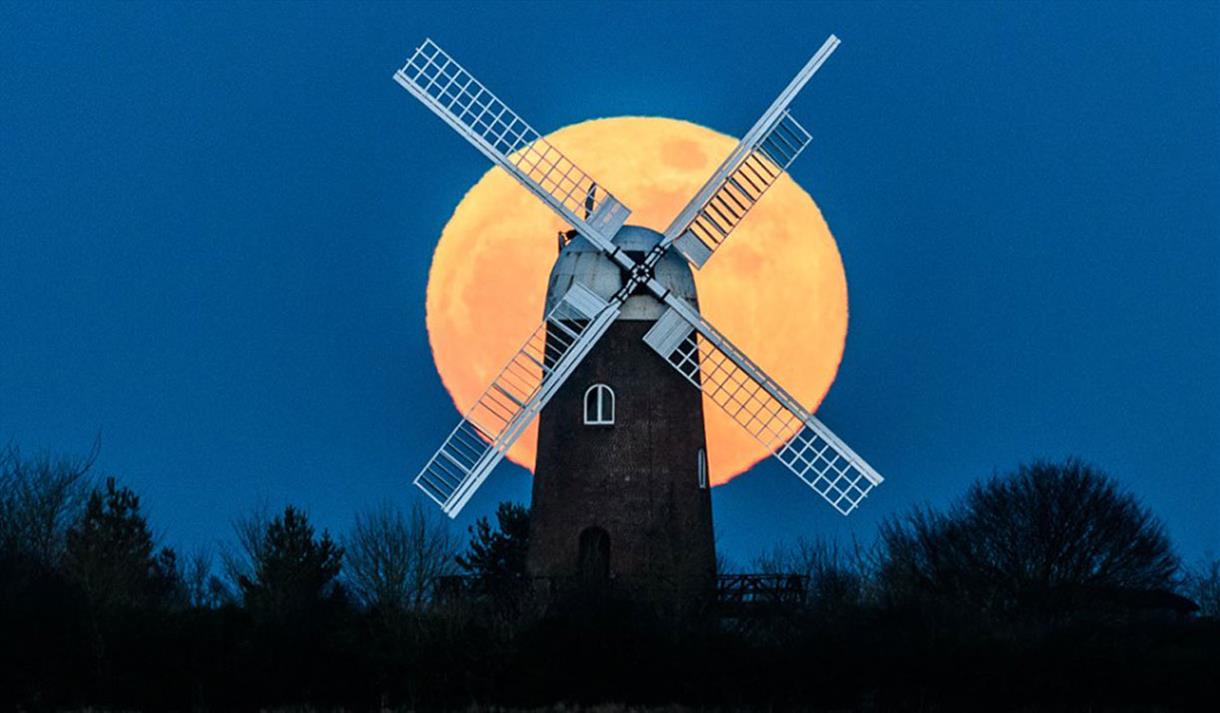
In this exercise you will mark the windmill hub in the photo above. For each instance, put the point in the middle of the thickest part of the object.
(582, 262)
(642, 273)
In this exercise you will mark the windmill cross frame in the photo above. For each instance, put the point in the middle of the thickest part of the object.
(682, 336)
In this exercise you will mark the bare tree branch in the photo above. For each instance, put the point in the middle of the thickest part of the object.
(40, 497)
(394, 556)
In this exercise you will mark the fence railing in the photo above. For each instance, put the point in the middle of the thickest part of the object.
(730, 589)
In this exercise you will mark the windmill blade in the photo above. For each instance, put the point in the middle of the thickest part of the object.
(454, 95)
(515, 397)
(761, 157)
(801, 442)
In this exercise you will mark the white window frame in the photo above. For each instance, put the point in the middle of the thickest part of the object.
(702, 469)
(603, 408)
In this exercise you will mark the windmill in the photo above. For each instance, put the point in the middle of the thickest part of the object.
(624, 272)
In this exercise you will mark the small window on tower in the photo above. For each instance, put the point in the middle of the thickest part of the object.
(702, 468)
(599, 405)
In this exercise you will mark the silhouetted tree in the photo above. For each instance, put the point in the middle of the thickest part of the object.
(836, 578)
(495, 557)
(292, 570)
(288, 585)
(1202, 585)
(128, 588)
(498, 555)
(110, 552)
(40, 498)
(40, 622)
(394, 557)
(1049, 537)
(239, 560)
(202, 589)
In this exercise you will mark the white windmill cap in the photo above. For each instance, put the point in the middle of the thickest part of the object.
(581, 261)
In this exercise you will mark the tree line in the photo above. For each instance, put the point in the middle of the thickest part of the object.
(1048, 587)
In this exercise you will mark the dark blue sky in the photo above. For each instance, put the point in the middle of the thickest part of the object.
(216, 223)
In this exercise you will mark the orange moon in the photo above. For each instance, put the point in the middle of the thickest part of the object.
(776, 288)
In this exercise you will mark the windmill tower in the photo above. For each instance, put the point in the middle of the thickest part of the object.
(620, 489)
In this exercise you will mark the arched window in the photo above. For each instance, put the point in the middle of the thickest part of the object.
(599, 405)
(702, 468)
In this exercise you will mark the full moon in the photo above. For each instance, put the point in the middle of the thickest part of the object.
(776, 288)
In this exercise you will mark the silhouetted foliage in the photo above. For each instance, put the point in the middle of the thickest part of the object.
(292, 571)
(239, 559)
(298, 609)
(40, 497)
(498, 555)
(933, 619)
(1202, 584)
(495, 559)
(202, 589)
(837, 579)
(1046, 540)
(393, 557)
(111, 555)
(42, 632)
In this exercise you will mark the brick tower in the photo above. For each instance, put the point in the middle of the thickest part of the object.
(620, 494)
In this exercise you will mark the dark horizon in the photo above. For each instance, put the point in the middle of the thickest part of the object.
(1052, 589)
(217, 226)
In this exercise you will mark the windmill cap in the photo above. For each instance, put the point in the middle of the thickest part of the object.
(581, 261)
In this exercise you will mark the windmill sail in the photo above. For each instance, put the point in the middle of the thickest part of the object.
(793, 435)
(757, 162)
(682, 337)
(454, 95)
(515, 397)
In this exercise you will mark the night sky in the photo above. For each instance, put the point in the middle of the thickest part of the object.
(216, 224)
